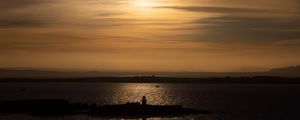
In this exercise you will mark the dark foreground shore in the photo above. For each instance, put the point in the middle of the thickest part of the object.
(55, 107)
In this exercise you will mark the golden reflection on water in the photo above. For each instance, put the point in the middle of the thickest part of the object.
(157, 94)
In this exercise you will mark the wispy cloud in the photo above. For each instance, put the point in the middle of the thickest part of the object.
(256, 29)
(200, 30)
(20, 3)
(20, 23)
(213, 9)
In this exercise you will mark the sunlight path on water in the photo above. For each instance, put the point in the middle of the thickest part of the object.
(133, 93)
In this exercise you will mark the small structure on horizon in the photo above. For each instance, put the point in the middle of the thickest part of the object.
(144, 100)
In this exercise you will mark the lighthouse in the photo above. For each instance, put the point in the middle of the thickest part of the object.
(144, 100)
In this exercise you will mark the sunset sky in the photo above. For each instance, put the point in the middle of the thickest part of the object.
(150, 35)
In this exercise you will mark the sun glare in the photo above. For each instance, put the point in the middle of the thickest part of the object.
(145, 3)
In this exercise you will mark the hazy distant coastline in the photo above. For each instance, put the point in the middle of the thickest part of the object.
(293, 72)
(152, 79)
(287, 75)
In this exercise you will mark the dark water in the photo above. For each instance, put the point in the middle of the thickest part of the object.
(227, 101)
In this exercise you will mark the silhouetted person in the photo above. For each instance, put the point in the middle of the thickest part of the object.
(144, 100)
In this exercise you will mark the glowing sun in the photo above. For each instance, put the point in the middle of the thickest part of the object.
(145, 3)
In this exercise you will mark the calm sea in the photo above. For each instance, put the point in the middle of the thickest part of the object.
(227, 101)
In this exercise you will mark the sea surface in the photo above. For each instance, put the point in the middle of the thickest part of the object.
(226, 101)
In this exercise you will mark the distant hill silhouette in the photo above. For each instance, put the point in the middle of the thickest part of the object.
(291, 69)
